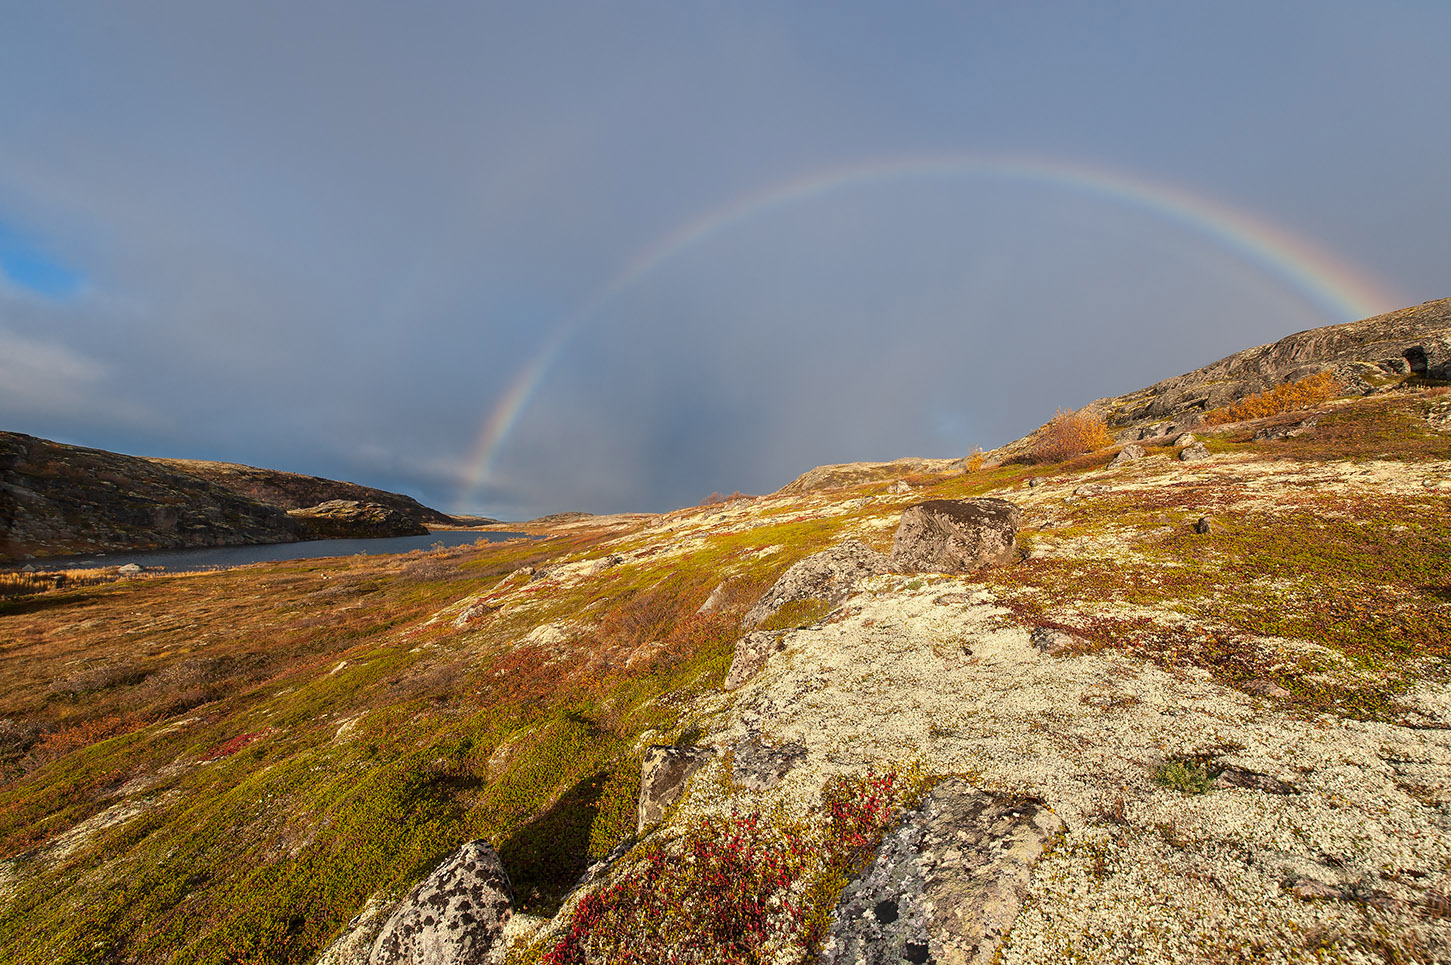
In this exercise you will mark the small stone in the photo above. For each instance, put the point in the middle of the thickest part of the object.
(1091, 489)
(663, 773)
(1240, 777)
(1193, 453)
(129, 569)
(1205, 525)
(900, 486)
(1186, 439)
(1311, 890)
(1261, 687)
(713, 602)
(1055, 642)
(1035, 481)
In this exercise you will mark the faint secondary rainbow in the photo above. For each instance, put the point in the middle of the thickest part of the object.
(1343, 292)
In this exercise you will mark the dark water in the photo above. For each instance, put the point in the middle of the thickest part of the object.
(210, 557)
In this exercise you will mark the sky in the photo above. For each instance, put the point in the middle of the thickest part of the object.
(522, 258)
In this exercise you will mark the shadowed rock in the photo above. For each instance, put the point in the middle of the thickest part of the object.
(955, 536)
(945, 884)
(455, 916)
(663, 774)
(830, 575)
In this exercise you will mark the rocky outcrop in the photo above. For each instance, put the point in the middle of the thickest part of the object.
(663, 774)
(829, 575)
(1128, 453)
(946, 885)
(350, 519)
(858, 473)
(57, 500)
(955, 536)
(455, 916)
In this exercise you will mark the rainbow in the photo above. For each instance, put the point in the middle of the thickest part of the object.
(1336, 288)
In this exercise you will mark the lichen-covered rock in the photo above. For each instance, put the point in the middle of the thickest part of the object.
(1055, 642)
(714, 601)
(1128, 453)
(752, 650)
(955, 536)
(829, 575)
(663, 774)
(1186, 439)
(945, 885)
(759, 766)
(355, 944)
(455, 916)
(1194, 453)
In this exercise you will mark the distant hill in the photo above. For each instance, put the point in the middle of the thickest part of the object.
(57, 499)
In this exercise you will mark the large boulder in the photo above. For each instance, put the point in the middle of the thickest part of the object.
(955, 536)
(663, 774)
(455, 916)
(946, 884)
(829, 575)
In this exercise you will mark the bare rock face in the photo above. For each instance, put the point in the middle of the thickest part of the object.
(944, 886)
(663, 774)
(955, 536)
(829, 575)
(455, 916)
(752, 650)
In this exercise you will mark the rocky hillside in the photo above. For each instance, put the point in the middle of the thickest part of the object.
(57, 499)
(1172, 700)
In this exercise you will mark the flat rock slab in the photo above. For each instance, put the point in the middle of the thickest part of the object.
(663, 774)
(829, 575)
(955, 536)
(945, 885)
(455, 916)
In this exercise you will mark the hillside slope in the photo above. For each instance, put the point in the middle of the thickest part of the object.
(57, 500)
(1203, 715)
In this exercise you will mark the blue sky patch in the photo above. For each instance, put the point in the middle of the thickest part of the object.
(31, 267)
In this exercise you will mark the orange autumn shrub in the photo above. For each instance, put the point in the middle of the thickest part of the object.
(1288, 397)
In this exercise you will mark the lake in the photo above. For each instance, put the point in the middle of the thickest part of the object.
(211, 557)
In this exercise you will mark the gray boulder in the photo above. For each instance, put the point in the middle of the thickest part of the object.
(1186, 439)
(455, 916)
(955, 536)
(1128, 453)
(945, 885)
(830, 575)
(1194, 453)
(752, 651)
(129, 569)
(663, 774)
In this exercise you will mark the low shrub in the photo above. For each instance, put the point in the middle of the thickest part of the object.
(736, 890)
(1069, 434)
(1311, 390)
(1186, 776)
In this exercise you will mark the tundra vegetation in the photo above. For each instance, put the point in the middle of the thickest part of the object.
(225, 767)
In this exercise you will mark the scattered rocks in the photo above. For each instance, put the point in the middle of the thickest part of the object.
(1128, 453)
(1194, 453)
(946, 884)
(955, 536)
(758, 766)
(1205, 525)
(829, 575)
(455, 916)
(663, 774)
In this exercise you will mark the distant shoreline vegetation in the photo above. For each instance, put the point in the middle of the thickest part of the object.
(224, 557)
